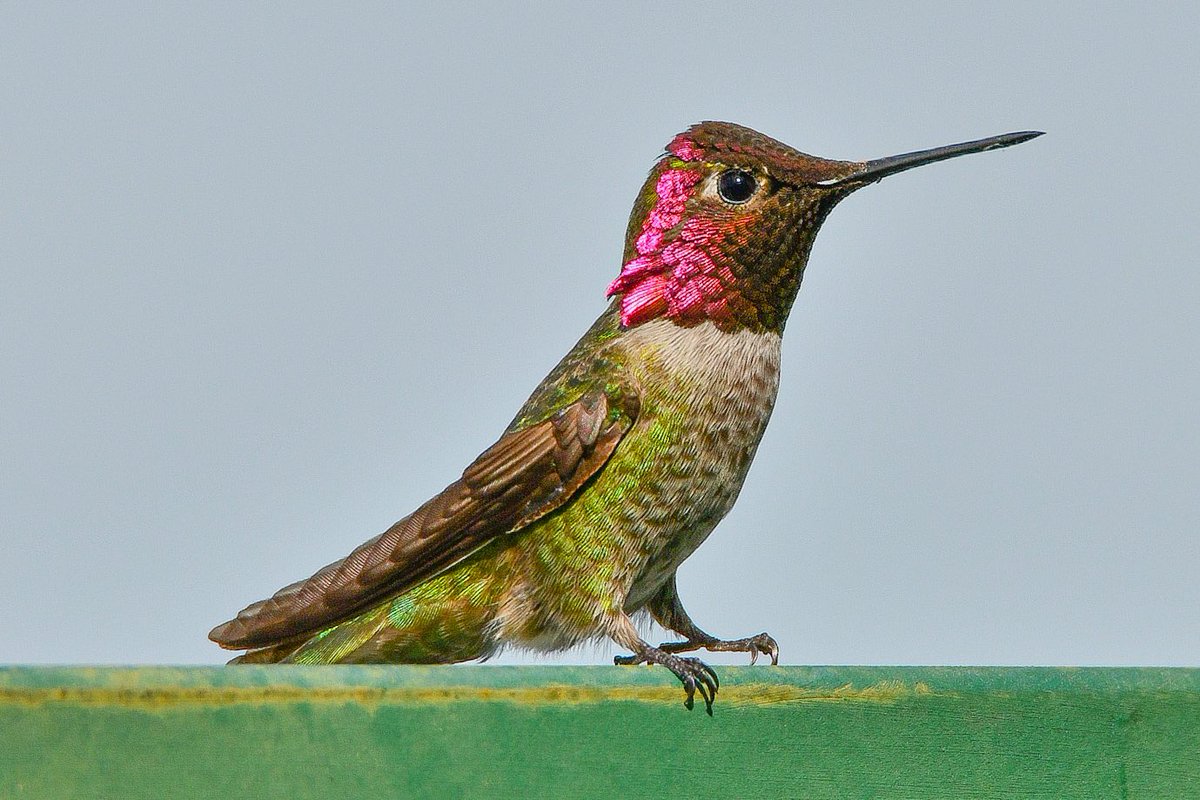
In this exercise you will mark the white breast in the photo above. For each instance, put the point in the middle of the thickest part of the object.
(704, 357)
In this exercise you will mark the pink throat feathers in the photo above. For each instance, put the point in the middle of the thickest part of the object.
(678, 271)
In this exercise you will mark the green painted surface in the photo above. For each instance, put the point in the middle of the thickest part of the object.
(533, 732)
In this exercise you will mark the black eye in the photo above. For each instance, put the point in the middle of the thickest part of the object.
(736, 186)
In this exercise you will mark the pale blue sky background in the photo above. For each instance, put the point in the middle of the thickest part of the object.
(272, 277)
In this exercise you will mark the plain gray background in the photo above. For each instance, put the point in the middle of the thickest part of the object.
(270, 278)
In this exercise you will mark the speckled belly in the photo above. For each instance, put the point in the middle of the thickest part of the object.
(705, 473)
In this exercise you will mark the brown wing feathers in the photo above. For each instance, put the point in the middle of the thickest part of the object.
(525, 475)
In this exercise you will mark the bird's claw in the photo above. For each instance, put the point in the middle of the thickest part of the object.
(762, 643)
(695, 675)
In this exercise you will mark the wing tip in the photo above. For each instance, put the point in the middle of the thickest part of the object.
(229, 635)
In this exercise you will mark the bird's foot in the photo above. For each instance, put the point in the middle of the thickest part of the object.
(762, 644)
(694, 673)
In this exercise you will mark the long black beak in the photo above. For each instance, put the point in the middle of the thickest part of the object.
(871, 171)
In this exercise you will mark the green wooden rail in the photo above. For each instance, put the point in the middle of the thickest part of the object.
(563, 732)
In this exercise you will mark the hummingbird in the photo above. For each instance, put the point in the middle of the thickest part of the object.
(622, 461)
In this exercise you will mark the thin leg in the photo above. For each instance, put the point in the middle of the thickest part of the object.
(668, 611)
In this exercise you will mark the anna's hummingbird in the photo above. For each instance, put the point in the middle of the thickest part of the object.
(623, 459)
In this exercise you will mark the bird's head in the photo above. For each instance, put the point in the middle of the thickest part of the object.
(723, 226)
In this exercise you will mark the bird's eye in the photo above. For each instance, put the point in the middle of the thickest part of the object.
(736, 185)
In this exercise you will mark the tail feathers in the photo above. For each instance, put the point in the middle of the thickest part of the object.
(402, 631)
(267, 655)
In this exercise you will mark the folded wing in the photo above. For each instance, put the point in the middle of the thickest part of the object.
(524, 476)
